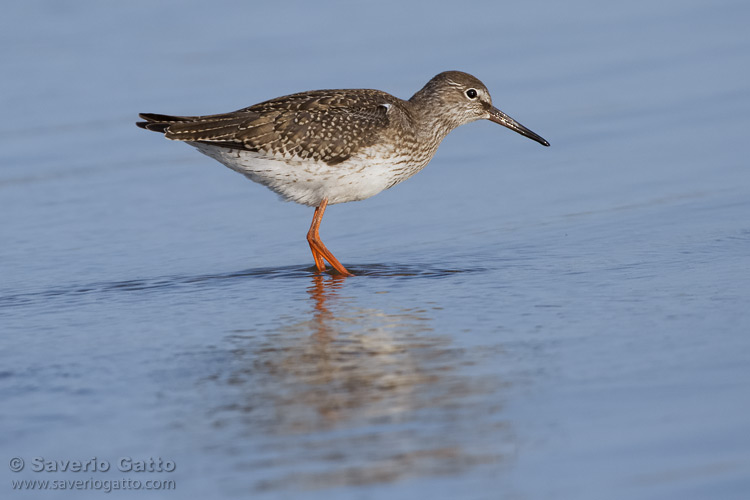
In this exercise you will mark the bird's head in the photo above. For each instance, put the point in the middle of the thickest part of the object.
(460, 98)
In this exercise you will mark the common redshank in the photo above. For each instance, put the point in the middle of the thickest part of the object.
(333, 146)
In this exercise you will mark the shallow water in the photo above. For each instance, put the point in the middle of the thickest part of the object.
(526, 322)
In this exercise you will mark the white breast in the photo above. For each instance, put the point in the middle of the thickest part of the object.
(308, 182)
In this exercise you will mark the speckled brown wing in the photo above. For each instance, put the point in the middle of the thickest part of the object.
(323, 125)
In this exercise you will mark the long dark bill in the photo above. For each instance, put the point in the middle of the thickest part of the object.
(498, 116)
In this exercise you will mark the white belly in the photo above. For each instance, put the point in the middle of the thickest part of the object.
(309, 182)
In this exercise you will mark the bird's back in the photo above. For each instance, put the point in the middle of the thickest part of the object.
(322, 125)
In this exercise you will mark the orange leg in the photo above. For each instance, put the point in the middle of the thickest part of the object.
(319, 250)
(312, 235)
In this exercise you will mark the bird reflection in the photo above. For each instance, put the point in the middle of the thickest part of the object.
(348, 395)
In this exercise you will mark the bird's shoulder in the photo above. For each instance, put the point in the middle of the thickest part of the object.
(326, 125)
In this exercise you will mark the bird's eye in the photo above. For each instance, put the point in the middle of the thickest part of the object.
(471, 94)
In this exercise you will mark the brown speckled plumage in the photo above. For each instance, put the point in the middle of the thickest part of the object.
(325, 125)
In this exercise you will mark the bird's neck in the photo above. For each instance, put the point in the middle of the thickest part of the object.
(432, 124)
